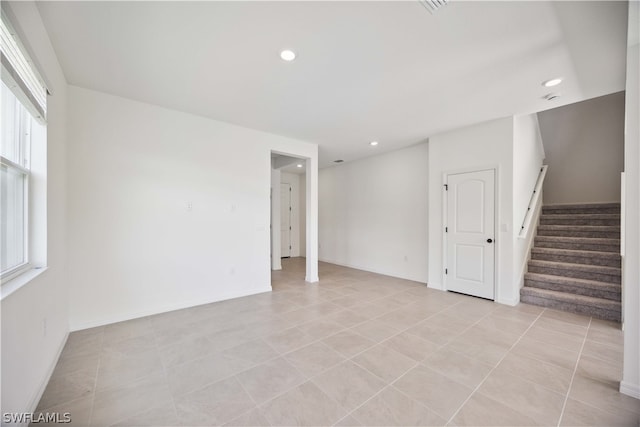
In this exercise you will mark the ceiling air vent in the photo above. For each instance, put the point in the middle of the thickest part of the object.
(433, 5)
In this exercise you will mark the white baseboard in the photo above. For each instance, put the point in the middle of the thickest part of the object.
(509, 301)
(121, 317)
(437, 286)
(33, 403)
(632, 390)
(372, 270)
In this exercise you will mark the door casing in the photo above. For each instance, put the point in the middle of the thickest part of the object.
(496, 221)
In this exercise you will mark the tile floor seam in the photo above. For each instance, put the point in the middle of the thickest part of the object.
(93, 394)
(575, 369)
(142, 411)
(166, 376)
(255, 408)
(475, 390)
(591, 405)
(296, 385)
(255, 404)
(540, 359)
(442, 346)
(416, 324)
(306, 380)
(357, 284)
(390, 384)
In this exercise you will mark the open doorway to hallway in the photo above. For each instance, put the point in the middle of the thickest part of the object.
(288, 214)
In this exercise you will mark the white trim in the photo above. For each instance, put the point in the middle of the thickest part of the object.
(437, 286)
(623, 216)
(632, 390)
(121, 317)
(19, 281)
(496, 223)
(33, 404)
(371, 270)
(16, 271)
(8, 163)
(509, 301)
(314, 279)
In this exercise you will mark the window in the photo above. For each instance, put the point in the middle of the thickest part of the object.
(22, 120)
(14, 183)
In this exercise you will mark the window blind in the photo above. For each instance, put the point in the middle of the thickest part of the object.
(19, 73)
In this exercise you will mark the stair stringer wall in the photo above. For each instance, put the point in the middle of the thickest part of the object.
(529, 240)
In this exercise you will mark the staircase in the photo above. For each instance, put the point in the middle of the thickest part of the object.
(575, 262)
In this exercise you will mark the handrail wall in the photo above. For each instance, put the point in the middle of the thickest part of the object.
(534, 202)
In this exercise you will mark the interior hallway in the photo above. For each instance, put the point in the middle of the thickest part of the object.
(357, 348)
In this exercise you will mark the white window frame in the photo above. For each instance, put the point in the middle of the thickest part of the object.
(15, 271)
(21, 77)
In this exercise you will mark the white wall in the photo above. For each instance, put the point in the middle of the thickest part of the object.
(483, 146)
(303, 215)
(276, 249)
(528, 156)
(512, 146)
(584, 143)
(373, 213)
(29, 350)
(294, 181)
(630, 383)
(135, 247)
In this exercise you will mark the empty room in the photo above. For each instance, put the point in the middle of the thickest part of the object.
(329, 213)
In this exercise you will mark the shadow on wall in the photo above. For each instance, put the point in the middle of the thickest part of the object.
(584, 146)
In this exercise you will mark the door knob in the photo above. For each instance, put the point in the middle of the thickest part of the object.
(489, 241)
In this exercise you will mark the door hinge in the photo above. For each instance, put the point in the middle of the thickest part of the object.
(289, 247)
(446, 187)
(446, 271)
(289, 227)
(446, 229)
(289, 208)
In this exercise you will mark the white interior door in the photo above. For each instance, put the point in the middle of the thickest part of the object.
(470, 233)
(285, 222)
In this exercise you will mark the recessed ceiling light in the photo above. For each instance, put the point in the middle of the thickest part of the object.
(551, 96)
(373, 143)
(299, 165)
(288, 55)
(552, 82)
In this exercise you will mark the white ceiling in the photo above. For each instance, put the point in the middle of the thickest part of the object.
(386, 71)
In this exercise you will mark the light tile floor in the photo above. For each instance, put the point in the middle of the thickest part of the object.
(356, 349)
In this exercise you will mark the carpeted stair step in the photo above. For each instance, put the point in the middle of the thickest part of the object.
(607, 259)
(593, 208)
(598, 231)
(577, 271)
(584, 219)
(578, 243)
(589, 288)
(580, 304)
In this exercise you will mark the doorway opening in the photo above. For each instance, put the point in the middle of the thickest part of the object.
(289, 216)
